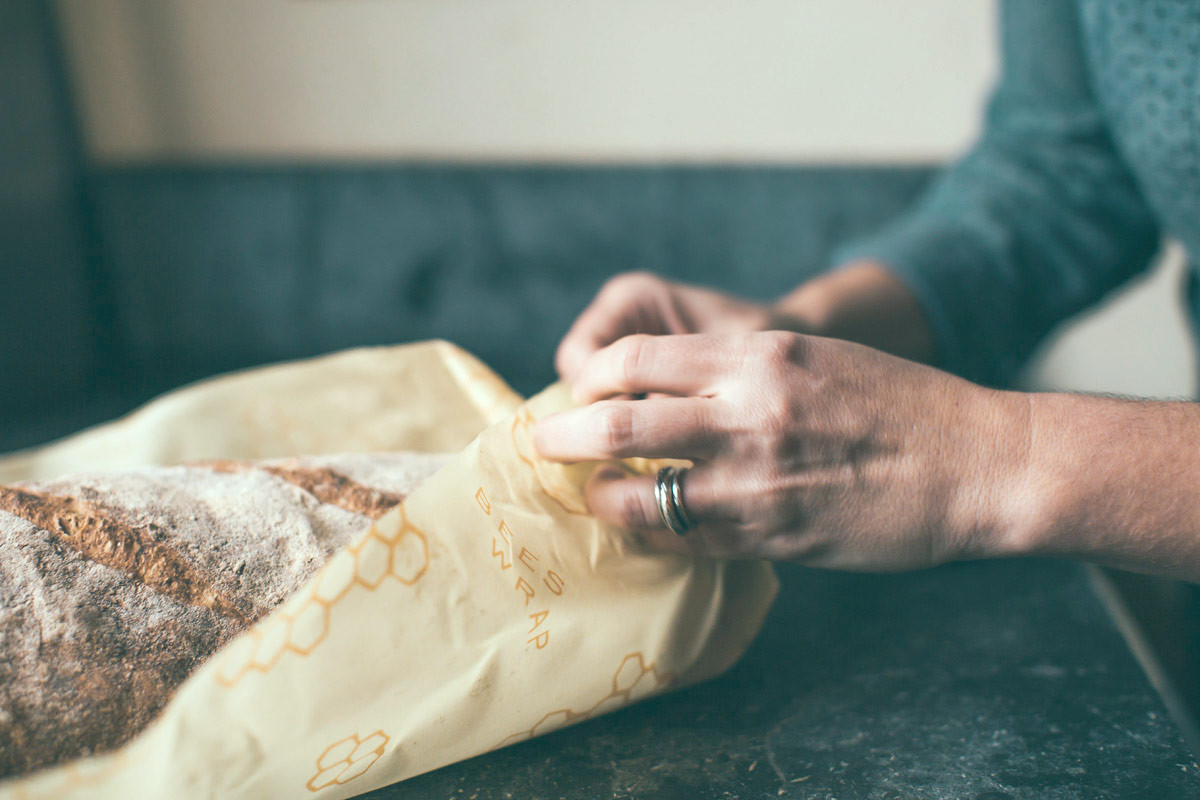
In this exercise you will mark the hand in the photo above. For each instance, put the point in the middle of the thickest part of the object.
(805, 449)
(639, 302)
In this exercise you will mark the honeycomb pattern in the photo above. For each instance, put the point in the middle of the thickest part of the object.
(346, 759)
(633, 680)
(391, 548)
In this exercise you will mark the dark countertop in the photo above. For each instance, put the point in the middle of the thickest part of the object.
(988, 681)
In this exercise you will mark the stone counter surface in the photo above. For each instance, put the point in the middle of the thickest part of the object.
(987, 681)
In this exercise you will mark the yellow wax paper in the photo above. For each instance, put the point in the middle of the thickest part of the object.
(488, 608)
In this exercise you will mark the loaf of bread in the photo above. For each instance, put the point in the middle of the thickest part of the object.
(115, 587)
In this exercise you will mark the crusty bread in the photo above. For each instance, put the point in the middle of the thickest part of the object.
(114, 587)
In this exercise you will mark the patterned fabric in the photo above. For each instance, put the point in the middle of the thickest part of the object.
(1091, 150)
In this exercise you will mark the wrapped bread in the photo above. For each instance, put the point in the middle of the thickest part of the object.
(351, 651)
(115, 587)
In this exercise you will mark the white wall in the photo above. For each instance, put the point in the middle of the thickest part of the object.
(1137, 343)
(561, 80)
(799, 81)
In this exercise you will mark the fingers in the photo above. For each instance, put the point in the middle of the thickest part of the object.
(589, 333)
(692, 364)
(669, 427)
(618, 310)
(628, 502)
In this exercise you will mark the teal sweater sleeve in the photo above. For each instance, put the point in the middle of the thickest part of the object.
(1039, 220)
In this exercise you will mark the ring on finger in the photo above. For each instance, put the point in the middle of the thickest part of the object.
(668, 494)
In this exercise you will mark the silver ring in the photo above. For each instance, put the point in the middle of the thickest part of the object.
(677, 496)
(668, 494)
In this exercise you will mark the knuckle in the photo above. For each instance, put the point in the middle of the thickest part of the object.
(614, 424)
(636, 358)
(702, 425)
(770, 364)
(776, 350)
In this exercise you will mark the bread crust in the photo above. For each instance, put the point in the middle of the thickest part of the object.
(114, 587)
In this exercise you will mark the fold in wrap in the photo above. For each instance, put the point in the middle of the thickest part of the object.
(486, 609)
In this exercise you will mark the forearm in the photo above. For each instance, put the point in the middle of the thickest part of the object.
(861, 302)
(1110, 481)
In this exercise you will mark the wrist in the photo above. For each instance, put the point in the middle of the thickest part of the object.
(1072, 476)
(1078, 459)
(1041, 478)
(993, 513)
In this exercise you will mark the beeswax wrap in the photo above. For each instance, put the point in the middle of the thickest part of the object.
(486, 609)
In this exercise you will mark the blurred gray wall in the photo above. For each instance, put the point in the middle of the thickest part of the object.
(206, 212)
(126, 279)
(47, 318)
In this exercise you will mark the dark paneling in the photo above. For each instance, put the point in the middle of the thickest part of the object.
(46, 330)
(222, 267)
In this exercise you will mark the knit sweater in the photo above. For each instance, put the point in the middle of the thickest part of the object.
(1090, 153)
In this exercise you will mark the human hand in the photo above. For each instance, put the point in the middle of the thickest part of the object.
(640, 302)
(805, 449)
